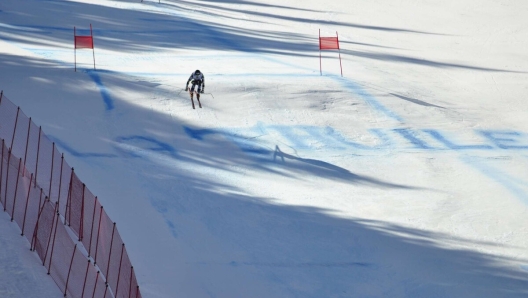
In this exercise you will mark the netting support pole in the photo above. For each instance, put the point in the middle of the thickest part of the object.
(85, 277)
(27, 201)
(14, 129)
(16, 190)
(1, 95)
(2, 169)
(98, 232)
(69, 270)
(52, 166)
(33, 239)
(7, 178)
(49, 238)
(110, 253)
(95, 283)
(38, 153)
(40, 199)
(60, 183)
(81, 220)
(130, 285)
(67, 216)
(91, 230)
(56, 215)
(27, 142)
(119, 271)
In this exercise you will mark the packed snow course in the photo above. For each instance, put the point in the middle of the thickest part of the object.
(405, 177)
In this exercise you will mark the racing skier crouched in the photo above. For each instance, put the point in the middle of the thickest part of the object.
(197, 79)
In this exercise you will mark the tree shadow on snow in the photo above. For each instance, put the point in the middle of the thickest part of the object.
(237, 242)
(180, 25)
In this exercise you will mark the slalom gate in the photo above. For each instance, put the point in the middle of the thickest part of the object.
(78, 244)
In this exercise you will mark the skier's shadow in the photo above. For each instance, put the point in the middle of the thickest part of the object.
(328, 170)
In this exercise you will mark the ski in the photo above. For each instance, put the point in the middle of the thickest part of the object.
(192, 101)
(199, 103)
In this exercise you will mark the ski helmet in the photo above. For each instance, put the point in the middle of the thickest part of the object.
(197, 72)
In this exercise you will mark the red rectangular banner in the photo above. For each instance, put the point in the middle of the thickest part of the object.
(83, 42)
(328, 43)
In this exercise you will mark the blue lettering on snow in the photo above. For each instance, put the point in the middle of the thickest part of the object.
(435, 134)
(506, 139)
(252, 140)
(311, 137)
(410, 136)
(299, 137)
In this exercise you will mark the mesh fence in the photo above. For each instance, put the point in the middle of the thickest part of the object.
(67, 226)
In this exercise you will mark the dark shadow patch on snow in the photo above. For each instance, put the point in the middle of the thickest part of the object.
(418, 61)
(306, 251)
(329, 171)
(416, 101)
(149, 30)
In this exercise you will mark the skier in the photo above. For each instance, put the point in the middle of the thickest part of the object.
(197, 79)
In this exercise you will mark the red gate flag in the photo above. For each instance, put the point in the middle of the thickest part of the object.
(83, 42)
(329, 43)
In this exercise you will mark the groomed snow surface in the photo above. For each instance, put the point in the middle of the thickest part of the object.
(405, 177)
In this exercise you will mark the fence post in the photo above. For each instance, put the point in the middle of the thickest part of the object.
(81, 220)
(130, 285)
(110, 253)
(50, 234)
(2, 169)
(98, 232)
(16, 189)
(95, 283)
(67, 216)
(52, 164)
(91, 230)
(38, 153)
(69, 270)
(27, 201)
(7, 179)
(33, 239)
(54, 237)
(119, 271)
(85, 277)
(27, 142)
(60, 180)
(14, 129)
(40, 198)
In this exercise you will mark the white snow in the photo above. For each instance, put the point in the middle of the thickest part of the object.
(406, 177)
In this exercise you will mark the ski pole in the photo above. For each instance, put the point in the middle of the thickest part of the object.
(209, 94)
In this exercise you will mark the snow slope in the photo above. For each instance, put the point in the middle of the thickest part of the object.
(406, 177)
